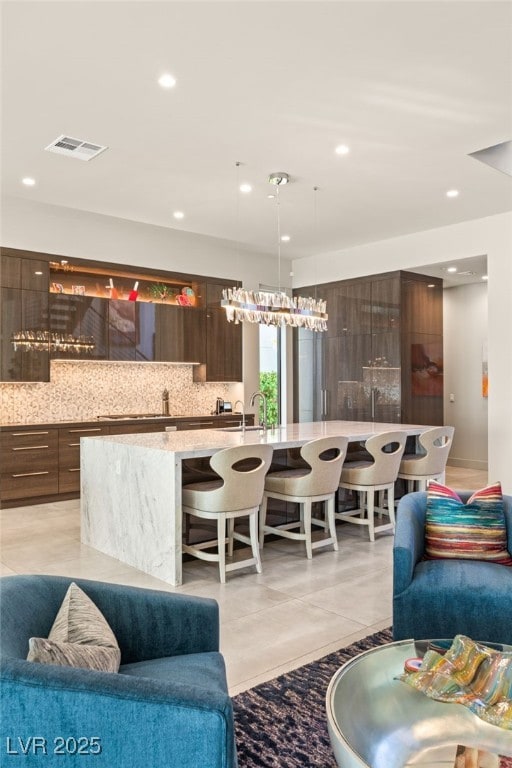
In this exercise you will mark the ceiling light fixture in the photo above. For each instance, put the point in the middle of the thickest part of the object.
(245, 188)
(485, 277)
(167, 81)
(28, 181)
(452, 193)
(285, 238)
(342, 149)
(179, 215)
(277, 308)
(451, 269)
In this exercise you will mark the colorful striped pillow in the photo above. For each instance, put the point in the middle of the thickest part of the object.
(472, 531)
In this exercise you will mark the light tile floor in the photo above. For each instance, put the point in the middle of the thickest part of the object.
(294, 612)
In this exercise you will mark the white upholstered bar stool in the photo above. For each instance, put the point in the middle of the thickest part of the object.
(430, 464)
(370, 476)
(317, 481)
(237, 493)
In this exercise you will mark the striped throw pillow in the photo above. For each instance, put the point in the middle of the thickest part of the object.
(80, 637)
(472, 531)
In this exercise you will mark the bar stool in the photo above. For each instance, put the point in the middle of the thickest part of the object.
(237, 493)
(318, 481)
(431, 463)
(377, 475)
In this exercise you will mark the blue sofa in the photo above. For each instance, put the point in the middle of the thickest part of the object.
(168, 706)
(442, 598)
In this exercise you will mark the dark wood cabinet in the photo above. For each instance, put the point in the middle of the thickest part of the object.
(223, 341)
(24, 319)
(69, 455)
(363, 367)
(121, 330)
(170, 317)
(29, 461)
(24, 314)
(10, 271)
(10, 323)
(79, 316)
(43, 462)
(180, 334)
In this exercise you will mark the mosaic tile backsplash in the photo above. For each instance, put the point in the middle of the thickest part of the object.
(83, 390)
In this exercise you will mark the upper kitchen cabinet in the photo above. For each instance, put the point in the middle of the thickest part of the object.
(88, 310)
(384, 338)
(180, 334)
(223, 340)
(24, 341)
(79, 327)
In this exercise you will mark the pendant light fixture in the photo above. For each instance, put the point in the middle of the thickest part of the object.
(275, 308)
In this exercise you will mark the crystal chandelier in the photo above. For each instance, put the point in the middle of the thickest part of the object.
(275, 308)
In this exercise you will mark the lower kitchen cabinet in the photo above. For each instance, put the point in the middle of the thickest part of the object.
(69, 455)
(42, 463)
(30, 463)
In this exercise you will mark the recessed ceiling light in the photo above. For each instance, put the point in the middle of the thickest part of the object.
(451, 269)
(285, 238)
(179, 215)
(245, 188)
(167, 81)
(28, 181)
(271, 197)
(342, 149)
(452, 193)
(485, 277)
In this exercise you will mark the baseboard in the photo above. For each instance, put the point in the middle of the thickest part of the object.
(468, 464)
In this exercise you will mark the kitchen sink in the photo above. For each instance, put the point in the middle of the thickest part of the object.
(131, 416)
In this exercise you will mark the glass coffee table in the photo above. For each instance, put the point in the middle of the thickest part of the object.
(376, 721)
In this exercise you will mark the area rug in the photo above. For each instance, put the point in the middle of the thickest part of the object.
(282, 723)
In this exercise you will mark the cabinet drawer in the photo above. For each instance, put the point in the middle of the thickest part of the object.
(34, 450)
(69, 444)
(198, 424)
(134, 429)
(31, 482)
(30, 437)
(69, 479)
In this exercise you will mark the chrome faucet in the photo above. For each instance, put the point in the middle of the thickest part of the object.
(165, 402)
(264, 399)
(243, 413)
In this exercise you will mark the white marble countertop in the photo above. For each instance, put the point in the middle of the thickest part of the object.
(196, 443)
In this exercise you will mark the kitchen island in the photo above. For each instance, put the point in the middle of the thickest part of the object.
(131, 485)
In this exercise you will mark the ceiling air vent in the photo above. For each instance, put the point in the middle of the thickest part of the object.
(82, 150)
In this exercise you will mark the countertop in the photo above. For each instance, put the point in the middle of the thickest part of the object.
(99, 420)
(204, 442)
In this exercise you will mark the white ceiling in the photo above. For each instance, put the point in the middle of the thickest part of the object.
(412, 88)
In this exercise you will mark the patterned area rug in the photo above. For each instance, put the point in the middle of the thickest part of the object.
(282, 723)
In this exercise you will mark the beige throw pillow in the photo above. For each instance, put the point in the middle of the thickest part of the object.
(80, 637)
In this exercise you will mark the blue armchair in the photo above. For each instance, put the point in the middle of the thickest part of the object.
(442, 598)
(168, 706)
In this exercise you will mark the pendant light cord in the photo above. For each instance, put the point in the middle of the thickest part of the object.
(315, 225)
(237, 164)
(278, 240)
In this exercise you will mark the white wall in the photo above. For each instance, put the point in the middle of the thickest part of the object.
(465, 333)
(491, 236)
(80, 234)
(67, 232)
